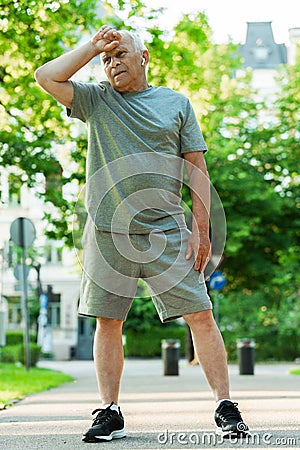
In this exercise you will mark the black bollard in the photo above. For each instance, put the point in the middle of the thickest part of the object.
(170, 355)
(245, 348)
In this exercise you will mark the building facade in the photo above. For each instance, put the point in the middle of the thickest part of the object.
(49, 263)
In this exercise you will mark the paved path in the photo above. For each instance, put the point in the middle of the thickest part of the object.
(161, 412)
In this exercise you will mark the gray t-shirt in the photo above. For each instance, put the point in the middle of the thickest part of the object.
(134, 159)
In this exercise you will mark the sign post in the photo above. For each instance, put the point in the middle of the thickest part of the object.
(22, 233)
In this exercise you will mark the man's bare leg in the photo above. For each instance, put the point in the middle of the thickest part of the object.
(108, 358)
(210, 349)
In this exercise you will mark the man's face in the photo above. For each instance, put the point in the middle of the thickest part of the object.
(123, 67)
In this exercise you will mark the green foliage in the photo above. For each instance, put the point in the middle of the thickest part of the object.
(15, 337)
(142, 315)
(35, 352)
(33, 130)
(148, 343)
(262, 316)
(15, 354)
(9, 353)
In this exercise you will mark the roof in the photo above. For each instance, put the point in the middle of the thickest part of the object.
(260, 50)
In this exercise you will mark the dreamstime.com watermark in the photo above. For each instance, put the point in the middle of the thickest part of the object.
(212, 439)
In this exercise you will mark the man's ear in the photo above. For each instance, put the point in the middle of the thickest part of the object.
(145, 58)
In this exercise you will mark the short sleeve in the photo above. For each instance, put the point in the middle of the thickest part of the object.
(191, 137)
(84, 100)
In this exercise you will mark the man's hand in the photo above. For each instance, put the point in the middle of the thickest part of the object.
(55, 75)
(199, 245)
(106, 39)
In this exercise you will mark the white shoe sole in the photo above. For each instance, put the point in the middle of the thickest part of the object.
(113, 435)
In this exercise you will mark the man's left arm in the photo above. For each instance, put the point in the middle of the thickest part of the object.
(199, 242)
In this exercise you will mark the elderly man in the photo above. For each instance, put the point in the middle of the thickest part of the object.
(138, 135)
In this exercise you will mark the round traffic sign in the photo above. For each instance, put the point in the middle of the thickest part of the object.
(217, 281)
(22, 232)
(18, 271)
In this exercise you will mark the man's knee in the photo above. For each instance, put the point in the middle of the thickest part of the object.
(108, 324)
(203, 318)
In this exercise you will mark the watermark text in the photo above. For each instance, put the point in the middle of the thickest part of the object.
(212, 439)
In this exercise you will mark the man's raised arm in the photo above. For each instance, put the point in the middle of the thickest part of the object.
(54, 76)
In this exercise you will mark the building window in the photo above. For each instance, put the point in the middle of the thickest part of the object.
(53, 308)
(14, 314)
(53, 254)
(54, 314)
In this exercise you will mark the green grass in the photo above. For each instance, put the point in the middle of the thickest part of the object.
(295, 372)
(16, 382)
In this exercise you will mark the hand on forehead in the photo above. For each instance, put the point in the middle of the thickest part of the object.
(106, 39)
(118, 39)
(108, 32)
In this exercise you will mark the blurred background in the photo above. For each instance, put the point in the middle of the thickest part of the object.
(239, 63)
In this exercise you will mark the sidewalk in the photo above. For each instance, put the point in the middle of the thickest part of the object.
(161, 412)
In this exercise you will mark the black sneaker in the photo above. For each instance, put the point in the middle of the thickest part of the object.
(107, 425)
(229, 420)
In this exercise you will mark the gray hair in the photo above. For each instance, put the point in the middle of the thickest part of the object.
(138, 43)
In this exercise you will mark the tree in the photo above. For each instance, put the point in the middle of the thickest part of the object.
(34, 133)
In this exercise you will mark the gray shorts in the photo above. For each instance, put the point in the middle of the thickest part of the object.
(113, 264)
